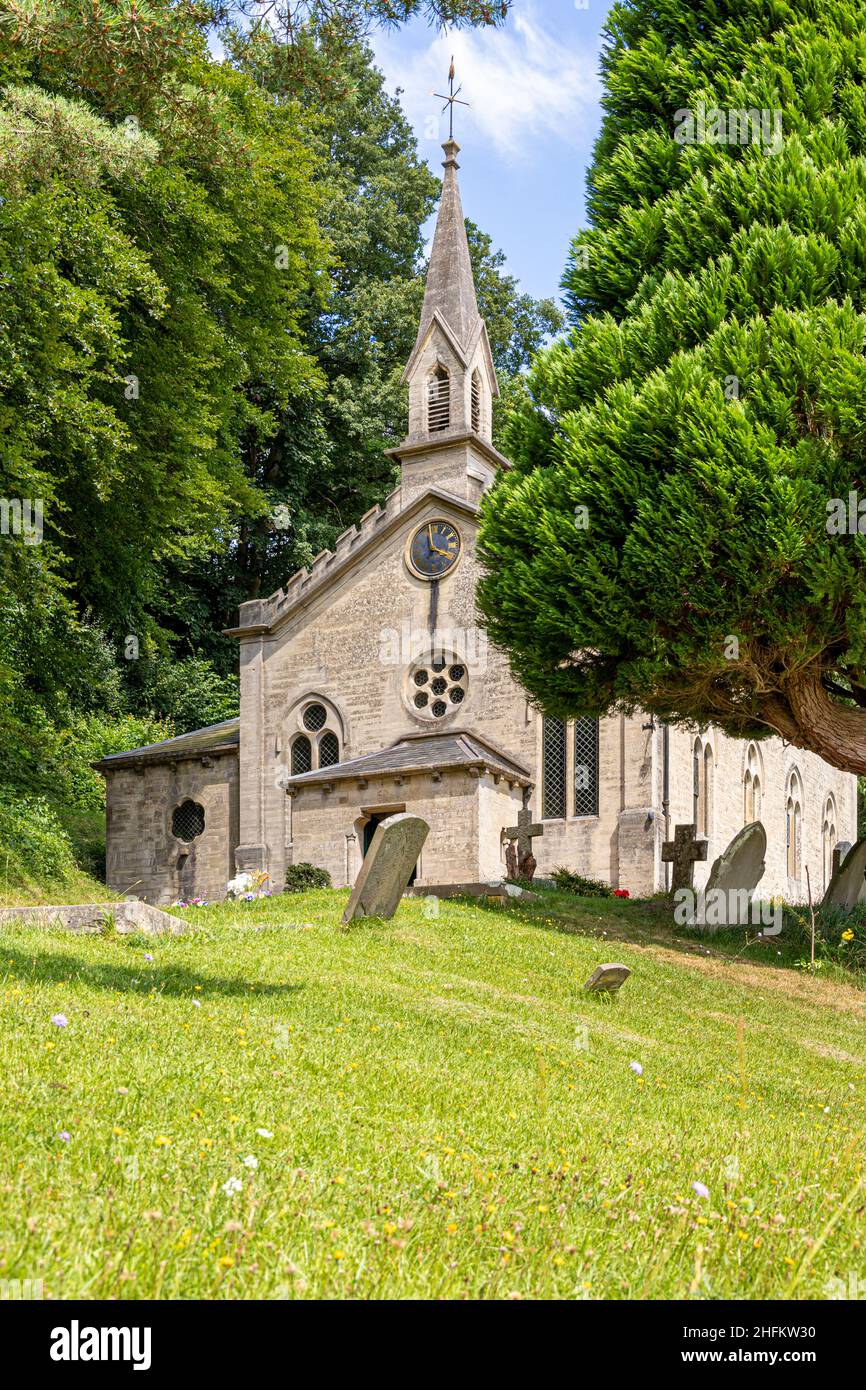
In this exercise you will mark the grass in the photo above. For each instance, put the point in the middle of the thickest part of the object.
(447, 1113)
(18, 889)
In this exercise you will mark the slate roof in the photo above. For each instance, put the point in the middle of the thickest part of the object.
(217, 738)
(454, 749)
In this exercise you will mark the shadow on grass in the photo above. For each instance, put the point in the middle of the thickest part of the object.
(141, 978)
(649, 922)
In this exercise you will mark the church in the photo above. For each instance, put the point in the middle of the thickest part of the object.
(368, 688)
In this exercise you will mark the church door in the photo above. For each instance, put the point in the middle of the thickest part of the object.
(370, 830)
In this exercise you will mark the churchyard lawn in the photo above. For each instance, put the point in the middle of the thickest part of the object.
(429, 1108)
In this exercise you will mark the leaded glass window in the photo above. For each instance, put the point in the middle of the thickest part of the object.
(302, 756)
(586, 767)
(553, 769)
(329, 750)
(187, 821)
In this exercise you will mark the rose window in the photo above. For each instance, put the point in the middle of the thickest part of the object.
(437, 687)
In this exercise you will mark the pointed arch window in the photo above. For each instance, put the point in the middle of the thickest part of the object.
(752, 786)
(302, 756)
(329, 749)
(476, 403)
(702, 788)
(315, 735)
(707, 827)
(794, 825)
(438, 400)
(698, 785)
(829, 839)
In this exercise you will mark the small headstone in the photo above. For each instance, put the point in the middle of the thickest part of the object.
(734, 877)
(607, 978)
(846, 885)
(387, 867)
(683, 851)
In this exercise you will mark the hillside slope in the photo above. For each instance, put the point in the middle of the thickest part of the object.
(429, 1108)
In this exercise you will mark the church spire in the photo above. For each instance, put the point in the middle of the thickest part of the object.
(450, 284)
(450, 374)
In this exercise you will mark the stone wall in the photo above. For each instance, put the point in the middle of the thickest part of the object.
(465, 813)
(777, 763)
(144, 858)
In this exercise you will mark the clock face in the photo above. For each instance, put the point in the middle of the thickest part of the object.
(434, 549)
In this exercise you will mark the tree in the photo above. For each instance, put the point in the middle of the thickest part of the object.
(326, 463)
(159, 251)
(677, 534)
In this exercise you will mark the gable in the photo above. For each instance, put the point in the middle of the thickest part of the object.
(356, 551)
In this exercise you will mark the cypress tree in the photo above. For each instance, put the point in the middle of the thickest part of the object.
(681, 532)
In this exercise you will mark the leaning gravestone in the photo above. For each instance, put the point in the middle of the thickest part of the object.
(839, 852)
(387, 867)
(846, 885)
(734, 877)
(607, 978)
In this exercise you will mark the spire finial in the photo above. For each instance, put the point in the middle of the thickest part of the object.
(451, 99)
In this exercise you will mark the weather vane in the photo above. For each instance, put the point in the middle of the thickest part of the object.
(451, 99)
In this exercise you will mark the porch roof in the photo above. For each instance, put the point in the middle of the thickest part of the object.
(448, 750)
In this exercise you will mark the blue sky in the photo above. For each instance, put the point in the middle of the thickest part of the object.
(527, 138)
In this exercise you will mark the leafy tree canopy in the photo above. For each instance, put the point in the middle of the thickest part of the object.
(663, 542)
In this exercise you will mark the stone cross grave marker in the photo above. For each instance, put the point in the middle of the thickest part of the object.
(524, 833)
(387, 867)
(683, 851)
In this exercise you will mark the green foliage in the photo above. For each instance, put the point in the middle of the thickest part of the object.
(90, 737)
(189, 694)
(33, 843)
(303, 878)
(663, 541)
(840, 936)
(211, 279)
(568, 882)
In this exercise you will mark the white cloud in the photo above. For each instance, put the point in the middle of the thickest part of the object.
(523, 82)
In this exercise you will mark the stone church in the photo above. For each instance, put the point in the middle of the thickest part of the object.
(368, 688)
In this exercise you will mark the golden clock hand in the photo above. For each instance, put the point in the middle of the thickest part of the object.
(433, 546)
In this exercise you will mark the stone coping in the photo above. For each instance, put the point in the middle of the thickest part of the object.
(91, 917)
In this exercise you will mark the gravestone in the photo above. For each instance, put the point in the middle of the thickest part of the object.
(734, 877)
(127, 917)
(684, 851)
(607, 978)
(839, 852)
(524, 833)
(846, 885)
(387, 867)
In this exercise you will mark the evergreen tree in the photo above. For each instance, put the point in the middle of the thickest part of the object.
(668, 539)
